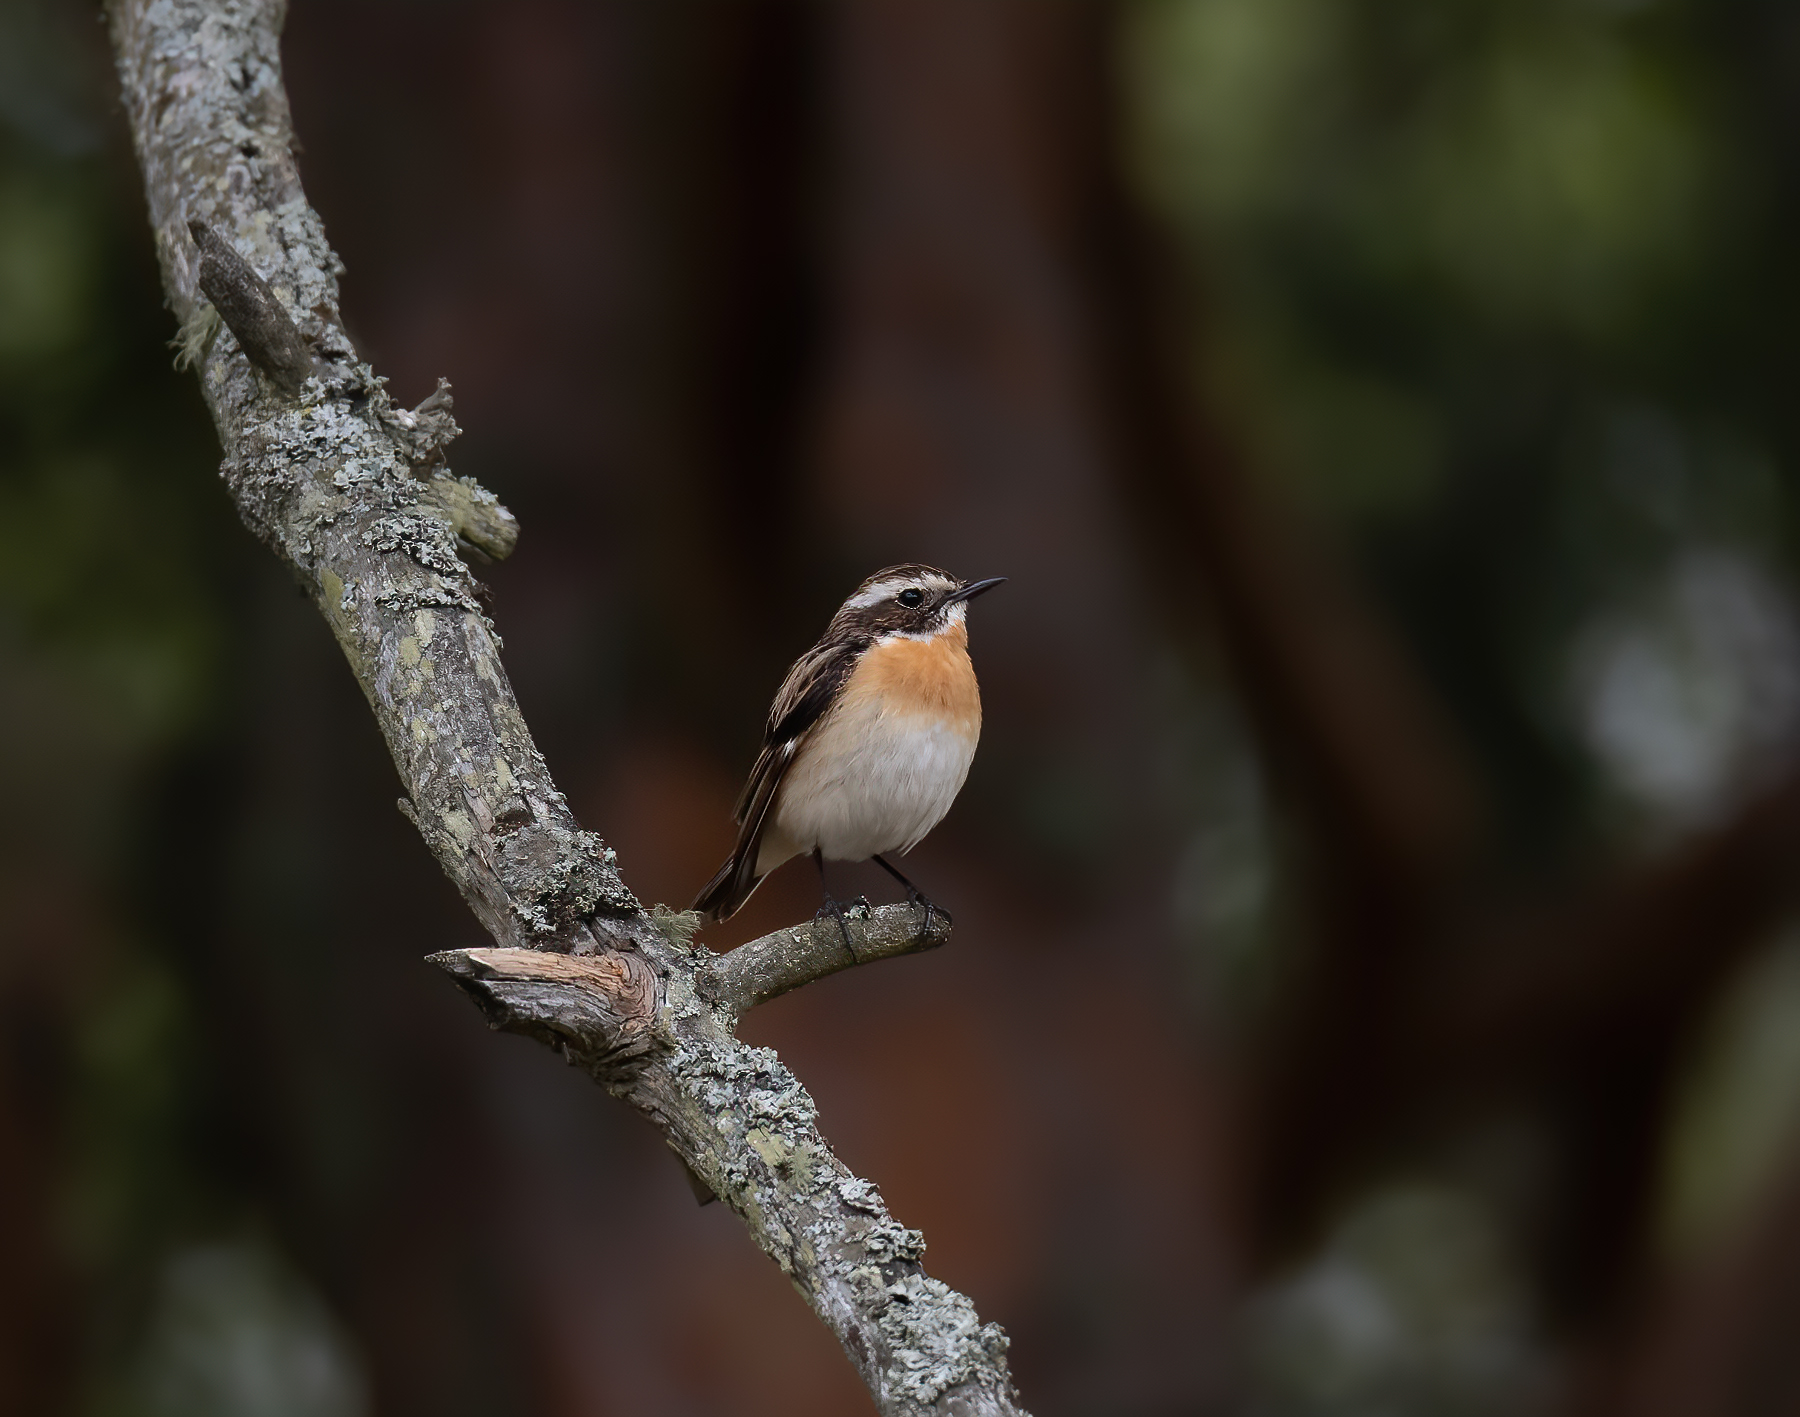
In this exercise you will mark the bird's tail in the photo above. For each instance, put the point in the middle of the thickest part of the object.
(731, 885)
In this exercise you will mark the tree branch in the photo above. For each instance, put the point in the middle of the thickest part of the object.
(765, 969)
(328, 473)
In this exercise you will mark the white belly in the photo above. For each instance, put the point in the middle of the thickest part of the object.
(867, 783)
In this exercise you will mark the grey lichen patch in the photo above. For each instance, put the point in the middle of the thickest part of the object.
(557, 878)
(432, 595)
(763, 1115)
(726, 1075)
(861, 1195)
(749, 1087)
(297, 471)
(892, 1242)
(423, 538)
(938, 1342)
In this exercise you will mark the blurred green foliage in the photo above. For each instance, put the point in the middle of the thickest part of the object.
(115, 591)
(1499, 292)
(236, 1334)
(1412, 1305)
(101, 583)
(1482, 279)
(1734, 1124)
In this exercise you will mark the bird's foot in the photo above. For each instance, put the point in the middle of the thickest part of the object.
(914, 896)
(933, 911)
(834, 909)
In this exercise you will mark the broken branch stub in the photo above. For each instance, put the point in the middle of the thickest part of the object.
(250, 311)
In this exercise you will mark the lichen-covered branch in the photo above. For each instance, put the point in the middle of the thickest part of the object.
(745, 1126)
(765, 969)
(356, 497)
(350, 491)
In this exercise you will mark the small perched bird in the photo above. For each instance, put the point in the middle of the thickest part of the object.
(868, 741)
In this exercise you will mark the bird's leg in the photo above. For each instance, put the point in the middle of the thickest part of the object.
(914, 895)
(831, 906)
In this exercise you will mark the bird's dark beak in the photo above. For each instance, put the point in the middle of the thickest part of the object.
(973, 589)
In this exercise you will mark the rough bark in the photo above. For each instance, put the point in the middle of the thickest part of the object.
(354, 495)
(765, 969)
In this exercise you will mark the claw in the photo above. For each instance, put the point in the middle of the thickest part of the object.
(915, 896)
(932, 910)
(835, 909)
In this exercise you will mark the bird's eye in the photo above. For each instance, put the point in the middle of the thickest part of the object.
(911, 598)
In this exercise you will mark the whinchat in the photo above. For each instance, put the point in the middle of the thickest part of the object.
(868, 741)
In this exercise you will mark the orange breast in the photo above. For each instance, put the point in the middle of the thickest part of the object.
(920, 678)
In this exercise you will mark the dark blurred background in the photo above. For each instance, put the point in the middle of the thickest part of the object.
(1376, 987)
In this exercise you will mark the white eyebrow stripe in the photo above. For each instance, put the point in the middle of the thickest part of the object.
(881, 590)
(876, 593)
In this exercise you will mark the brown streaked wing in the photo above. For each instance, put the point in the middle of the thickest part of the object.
(799, 704)
(805, 696)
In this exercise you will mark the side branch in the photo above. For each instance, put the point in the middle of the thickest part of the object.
(250, 310)
(765, 969)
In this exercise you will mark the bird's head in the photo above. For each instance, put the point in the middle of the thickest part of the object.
(918, 601)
